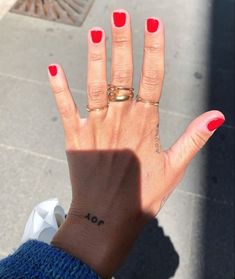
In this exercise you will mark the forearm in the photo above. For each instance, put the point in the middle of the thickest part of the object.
(36, 259)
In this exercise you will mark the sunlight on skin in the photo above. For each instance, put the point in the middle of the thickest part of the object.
(120, 175)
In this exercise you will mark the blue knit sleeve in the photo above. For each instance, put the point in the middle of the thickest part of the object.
(38, 260)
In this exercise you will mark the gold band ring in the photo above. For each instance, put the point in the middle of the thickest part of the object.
(140, 99)
(114, 87)
(96, 109)
(114, 95)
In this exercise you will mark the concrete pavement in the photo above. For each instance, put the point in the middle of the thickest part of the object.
(193, 236)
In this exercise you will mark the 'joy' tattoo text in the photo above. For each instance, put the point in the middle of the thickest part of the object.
(93, 219)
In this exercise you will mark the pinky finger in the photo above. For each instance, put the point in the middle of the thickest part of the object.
(64, 100)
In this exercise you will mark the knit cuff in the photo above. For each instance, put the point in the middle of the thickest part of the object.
(35, 259)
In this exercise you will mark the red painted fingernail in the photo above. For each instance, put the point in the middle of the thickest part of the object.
(119, 19)
(214, 124)
(53, 70)
(96, 36)
(152, 25)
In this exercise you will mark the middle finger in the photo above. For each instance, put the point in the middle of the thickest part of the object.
(122, 60)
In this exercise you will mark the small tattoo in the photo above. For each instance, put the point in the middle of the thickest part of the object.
(94, 219)
(157, 140)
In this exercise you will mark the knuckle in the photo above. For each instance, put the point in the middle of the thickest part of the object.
(152, 79)
(95, 56)
(122, 76)
(65, 110)
(153, 49)
(197, 140)
(121, 41)
(58, 89)
(65, 107)
(97, 92)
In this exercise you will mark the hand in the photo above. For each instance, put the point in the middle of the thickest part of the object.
(119, 173)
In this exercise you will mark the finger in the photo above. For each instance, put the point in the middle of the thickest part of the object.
(64, 100)
(153, 63)
(193, 139)
(96, 80)
(122, 61)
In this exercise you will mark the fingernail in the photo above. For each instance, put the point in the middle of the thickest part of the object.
(96, 36)
(214, 124)
(53, 70)
(119, 19)
(152, 25)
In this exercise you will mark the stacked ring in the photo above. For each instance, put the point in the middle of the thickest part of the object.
(114, 94)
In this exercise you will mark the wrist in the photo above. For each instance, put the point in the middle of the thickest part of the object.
(91, 244)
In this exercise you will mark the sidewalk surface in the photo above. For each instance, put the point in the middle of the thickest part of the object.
(193, 234)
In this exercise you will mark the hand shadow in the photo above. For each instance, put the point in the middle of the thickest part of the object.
(152, 257)
(113, 177)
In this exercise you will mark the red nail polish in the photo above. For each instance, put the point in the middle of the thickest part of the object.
(119, 19)
(214, 124)
(96, 36)
(152, 25)
(53, 70)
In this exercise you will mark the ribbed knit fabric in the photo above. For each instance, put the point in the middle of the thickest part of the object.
(38, 260)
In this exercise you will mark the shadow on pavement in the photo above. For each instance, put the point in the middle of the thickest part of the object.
(153, 256)
(217, 252)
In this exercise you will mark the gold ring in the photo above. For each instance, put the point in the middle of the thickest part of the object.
(114, 87)
(96, 109)
(140, 99)
(115, 96)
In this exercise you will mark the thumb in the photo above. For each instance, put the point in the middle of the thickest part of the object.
(193, 139)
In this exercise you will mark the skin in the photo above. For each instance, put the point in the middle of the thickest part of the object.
(120, 175)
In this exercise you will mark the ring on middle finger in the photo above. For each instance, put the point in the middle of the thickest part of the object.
(119, 93)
